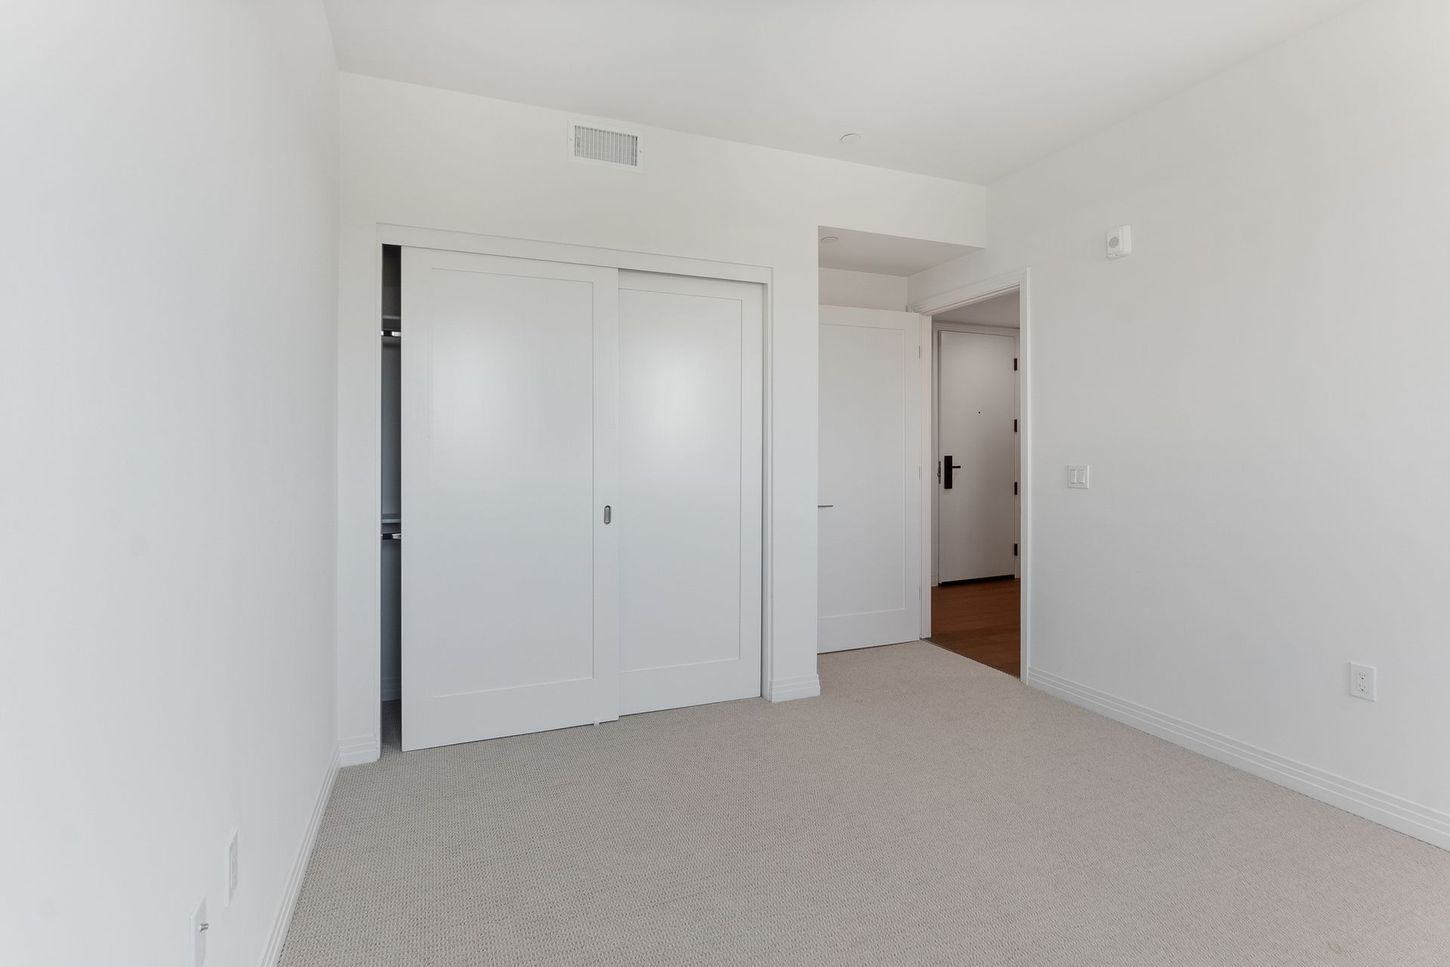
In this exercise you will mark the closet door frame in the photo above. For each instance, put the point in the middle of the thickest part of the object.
(451, 241)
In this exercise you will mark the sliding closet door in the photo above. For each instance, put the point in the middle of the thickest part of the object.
(689, 510)
(509, 455)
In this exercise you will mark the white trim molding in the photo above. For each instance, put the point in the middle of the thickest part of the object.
(1402, 815)
(788, 689)
(527, 248)
(972, 292)
(358, 750)
(273, 951)
(361, 749)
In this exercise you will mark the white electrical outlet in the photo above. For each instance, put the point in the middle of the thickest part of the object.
(1077, 475)
(1362, 682)
(199, 927)
(231, 868)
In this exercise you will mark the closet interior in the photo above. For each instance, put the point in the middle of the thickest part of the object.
(391, 529)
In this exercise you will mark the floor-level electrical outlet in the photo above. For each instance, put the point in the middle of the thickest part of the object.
(199, 927)
(1362, 683)
(232, 869)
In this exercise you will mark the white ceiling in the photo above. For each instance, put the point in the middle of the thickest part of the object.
(885, 254)
(1001, 310)
(964, 89)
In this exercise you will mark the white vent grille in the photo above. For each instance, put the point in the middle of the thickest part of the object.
(604, 146)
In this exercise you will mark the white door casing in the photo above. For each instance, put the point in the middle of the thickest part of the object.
(976, 415)
(509, 420)
(870, 478)
(689, 508)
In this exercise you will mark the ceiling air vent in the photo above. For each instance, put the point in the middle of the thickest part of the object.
(603, 146)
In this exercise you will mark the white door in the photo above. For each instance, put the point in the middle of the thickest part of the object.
(977, 450)
(688, 516)
(509, 450)
(870, 478)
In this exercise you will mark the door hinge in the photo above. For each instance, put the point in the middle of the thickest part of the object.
(1014, 364)
(1014, 488)
(1014, 550)
(1014, 426)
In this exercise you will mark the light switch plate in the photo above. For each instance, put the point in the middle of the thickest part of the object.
(1077, 475)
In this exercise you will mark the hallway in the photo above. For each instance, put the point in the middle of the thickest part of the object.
(980, 620)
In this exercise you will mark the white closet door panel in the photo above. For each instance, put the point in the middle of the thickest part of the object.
(870, 464)
(977, 404)
(689, 511)
(509, 408)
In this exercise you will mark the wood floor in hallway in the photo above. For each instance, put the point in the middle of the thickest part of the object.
(980, 620)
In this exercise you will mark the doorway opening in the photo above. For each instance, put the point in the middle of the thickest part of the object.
(976, 505)
(890, 552)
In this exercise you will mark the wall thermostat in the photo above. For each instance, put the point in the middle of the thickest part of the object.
(1120, 242)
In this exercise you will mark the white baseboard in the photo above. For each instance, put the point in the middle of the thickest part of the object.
(358, 750)
(273, 950)
(787, 689)
(1402, 815)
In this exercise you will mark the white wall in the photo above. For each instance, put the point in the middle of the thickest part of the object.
(863, 290)
(1261, 391)
(167, 417)
(423, 157)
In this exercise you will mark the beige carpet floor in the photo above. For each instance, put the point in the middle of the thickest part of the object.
(924, 810)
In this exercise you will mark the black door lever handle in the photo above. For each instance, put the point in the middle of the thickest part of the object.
(948, 467)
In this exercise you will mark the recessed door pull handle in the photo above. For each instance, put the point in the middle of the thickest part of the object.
(608, 514)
